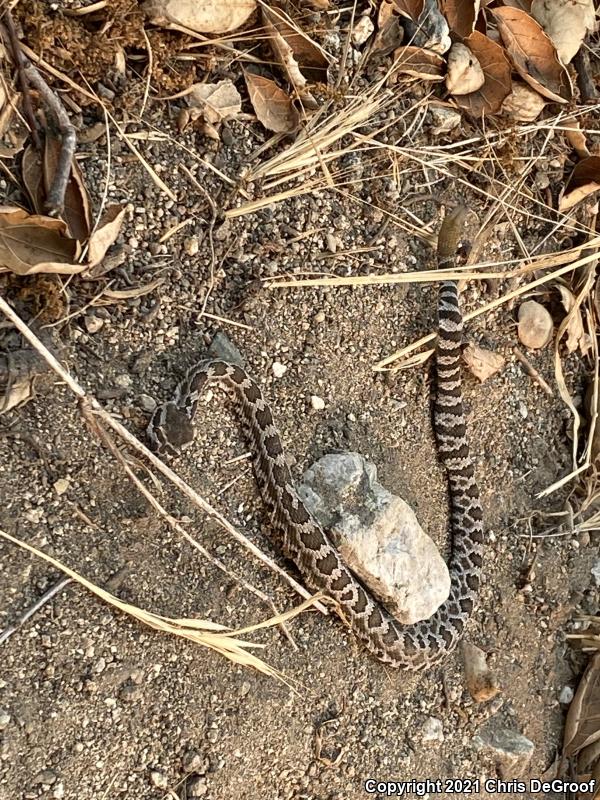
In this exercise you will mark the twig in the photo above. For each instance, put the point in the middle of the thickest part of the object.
(97, 409)
(112, 584)
(532, 371)
(19, 60)
(160, 509)
(55, 202)
(45, 598)
(29, 74)
(585, 83)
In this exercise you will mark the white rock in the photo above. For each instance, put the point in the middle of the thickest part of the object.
(377, 535)
(61, 485)
(191, 245)
(279, 369)
(158, 779)
(566, 695)
(432, 730)
(93, 323)
(4, 719)
(362, 30)
(317, 402)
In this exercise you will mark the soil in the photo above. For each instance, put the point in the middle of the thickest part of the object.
(96, 705)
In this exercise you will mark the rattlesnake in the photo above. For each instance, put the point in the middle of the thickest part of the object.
(304, 541)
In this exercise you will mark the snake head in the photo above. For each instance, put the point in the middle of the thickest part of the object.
(170, 429)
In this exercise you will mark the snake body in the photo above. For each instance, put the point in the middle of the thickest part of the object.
(413, 646)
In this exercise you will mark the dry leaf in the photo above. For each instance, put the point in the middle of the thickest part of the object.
(31, 243)
(464, 71)
(38, 175)
(482, 363)
(584, 180)
(389, 32)
(273, 107)
(203, 16)
(214, 101)
(576, 336)
(409, 8)
(320, 5)
(581, 725)
(496, 68)
(461, 15)
(523, 104)
(419, 63)
(524, 5)
(533, 54)
(301, 59)
(566, 22)
(105, 234)
(575, 136)
(76, 212)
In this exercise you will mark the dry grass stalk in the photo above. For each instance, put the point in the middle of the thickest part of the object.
(96, 409)
(209, 634)
(405, 351)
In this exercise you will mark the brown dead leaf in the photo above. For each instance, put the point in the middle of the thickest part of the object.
(482, 363)
(418, 62)
(533, 54)
(496, 69)
(38, 174)
(461, 15)
(566, 22)
(31, 243)
(273, 107)
(389, 32)
(214, 102)
(105, 234)
(582, 726)
(409, 8)
(575, 136)
(583, 181)
(576, 336)
(302, 60)
(203, 16)
(523, 103)
(320, 5)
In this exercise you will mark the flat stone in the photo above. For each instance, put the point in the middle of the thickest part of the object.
(511, 750)
(377, 535)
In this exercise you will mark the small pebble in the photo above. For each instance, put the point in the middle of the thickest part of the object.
(4, 719)
(193, 761)
(158, 779)
(566, 695)
(279, 369)
(432, 730)
(317, 402)
(93, 323)
(191, 245)
(319, 317)
(146, 403)
(196, 787)
(61, 486)
(331, 243)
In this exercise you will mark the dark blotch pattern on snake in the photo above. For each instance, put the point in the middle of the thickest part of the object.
(305, 542)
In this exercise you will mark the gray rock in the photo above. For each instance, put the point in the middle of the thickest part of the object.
(377, 534)
(432, 730)
(511, 750)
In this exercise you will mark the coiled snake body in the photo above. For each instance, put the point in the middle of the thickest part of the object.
(305, 542)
